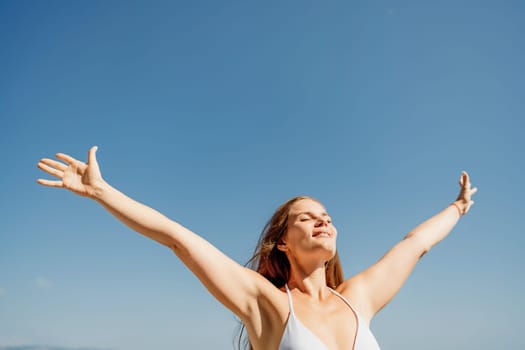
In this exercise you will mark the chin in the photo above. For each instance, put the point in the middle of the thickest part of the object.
(329, 253)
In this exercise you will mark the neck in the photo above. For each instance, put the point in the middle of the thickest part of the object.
(310, 279)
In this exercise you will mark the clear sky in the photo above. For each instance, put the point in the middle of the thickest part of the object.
(214, 113)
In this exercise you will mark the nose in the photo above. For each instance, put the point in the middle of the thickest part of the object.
(322, 222)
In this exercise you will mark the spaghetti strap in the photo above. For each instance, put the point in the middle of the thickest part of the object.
(297, 336)
(290, 302)
(344, 299)
(364, 339)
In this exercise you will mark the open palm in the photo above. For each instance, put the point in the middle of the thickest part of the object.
(76, 176)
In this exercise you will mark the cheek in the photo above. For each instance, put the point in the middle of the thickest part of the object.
(297, 236)
(300, 229)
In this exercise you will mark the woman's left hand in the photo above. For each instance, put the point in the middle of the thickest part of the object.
(464, 199)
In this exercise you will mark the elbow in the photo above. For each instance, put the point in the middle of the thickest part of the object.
(419, 244)
(174, 246)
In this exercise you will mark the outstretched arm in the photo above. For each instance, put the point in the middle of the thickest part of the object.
(232, 284)
(86, 180)
(376, 286)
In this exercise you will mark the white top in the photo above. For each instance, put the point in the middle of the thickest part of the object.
(297, 337)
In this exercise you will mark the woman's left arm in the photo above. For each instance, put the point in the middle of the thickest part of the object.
(373, 288)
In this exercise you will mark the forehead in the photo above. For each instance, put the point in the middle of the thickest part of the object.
(307, 205)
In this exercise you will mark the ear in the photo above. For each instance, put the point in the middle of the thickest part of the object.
(281, 245)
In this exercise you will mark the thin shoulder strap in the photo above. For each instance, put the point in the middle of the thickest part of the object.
(344, 299)
(356, 315)
(290, 302)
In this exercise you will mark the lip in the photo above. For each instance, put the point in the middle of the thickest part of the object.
(325, 234)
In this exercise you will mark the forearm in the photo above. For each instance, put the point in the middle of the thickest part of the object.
(435, 229)
(138, 216)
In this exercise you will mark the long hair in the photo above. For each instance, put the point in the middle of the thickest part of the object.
(273, 264)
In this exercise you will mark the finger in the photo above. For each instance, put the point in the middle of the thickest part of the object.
(50, 183)
(465, 179)
(474, 190)
(68, 159)
(92, 155)
(50, 170)
(54, 164)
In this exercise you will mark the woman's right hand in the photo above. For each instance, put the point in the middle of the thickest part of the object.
(76, 176)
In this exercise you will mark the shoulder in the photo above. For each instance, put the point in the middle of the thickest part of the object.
(268, 314)
(270, 299)
(355, 291)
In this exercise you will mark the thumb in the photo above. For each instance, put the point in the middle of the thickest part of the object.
(92, 157)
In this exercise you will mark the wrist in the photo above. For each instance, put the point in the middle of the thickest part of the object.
(461, 206)
(99, 190)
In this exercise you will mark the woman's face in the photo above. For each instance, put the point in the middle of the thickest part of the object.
(310, 231)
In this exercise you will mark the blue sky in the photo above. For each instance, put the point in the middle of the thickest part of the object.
(215, 113)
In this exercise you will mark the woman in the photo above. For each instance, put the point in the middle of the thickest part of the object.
(296, 299)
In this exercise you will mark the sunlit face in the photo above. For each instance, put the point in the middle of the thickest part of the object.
(310, 230)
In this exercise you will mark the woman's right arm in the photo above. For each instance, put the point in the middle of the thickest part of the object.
(232, 284)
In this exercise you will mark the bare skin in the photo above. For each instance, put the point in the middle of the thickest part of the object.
(309, 242)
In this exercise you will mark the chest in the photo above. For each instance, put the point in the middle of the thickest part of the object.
(314, 327)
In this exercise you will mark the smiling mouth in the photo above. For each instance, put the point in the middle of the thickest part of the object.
(322, 234)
